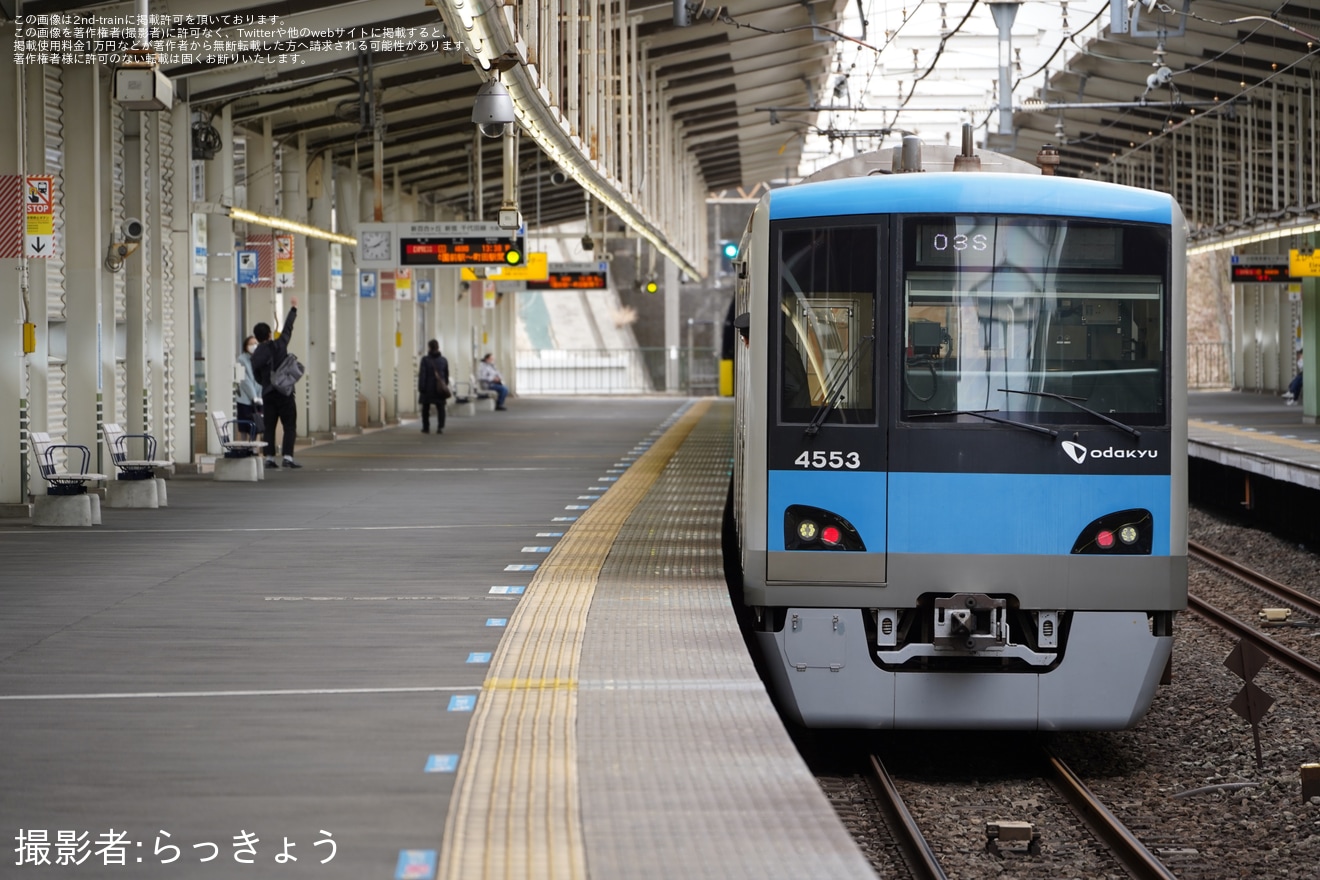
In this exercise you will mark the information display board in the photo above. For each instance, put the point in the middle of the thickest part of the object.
(574, 276)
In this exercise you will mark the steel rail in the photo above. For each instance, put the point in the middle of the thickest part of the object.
(1303, 666)
(1140, 862)
(1302, 601)
(917, 852)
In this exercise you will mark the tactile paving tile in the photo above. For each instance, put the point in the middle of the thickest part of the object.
(684, 767)
(515, 811)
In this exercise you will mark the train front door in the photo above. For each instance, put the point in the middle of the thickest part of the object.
(826, 443)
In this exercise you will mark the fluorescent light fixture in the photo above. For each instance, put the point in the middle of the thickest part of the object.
(1253, 238)
(290, 226)
(537, 119)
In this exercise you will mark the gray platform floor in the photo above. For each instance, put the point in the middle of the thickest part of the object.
(279, 657)
(1256, 433)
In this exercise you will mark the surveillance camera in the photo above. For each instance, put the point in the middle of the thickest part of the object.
(133, 229)
(558, 177)
(493, 109)
(588, 243)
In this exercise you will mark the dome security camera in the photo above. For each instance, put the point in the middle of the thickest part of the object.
(134, 229)
(493, 109)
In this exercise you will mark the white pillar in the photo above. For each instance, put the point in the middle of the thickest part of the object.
(369, 334)
(223, 335)
(316, 385)
(14, 364)
(672, 331)
(346, 307)
(87, 349)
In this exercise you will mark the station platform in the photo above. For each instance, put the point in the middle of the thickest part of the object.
(1255, 433)
(504, 651)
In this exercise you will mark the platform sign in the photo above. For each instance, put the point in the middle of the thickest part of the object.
(574, 276)
(284, 260)
(423, 290)
(248, 271)
(336, 266)
(1304, 264)
(460, 244)
(199, 266)
(39, 211)
(537, 268)
(367, 284)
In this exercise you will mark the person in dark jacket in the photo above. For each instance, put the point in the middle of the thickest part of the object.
(430, 373)
(277, 406)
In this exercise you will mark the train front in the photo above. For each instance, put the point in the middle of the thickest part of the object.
(961, 481)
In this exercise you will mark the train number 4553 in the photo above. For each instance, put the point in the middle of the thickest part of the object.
(819, 459)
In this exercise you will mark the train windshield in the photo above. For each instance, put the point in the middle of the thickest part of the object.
(828, 278)
(1009, 314)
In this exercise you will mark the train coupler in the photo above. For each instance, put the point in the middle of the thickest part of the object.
(972, 621)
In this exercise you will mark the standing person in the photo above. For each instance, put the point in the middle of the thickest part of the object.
(279, 407)
(248, 396)
(433, 387)
(1294, 394)
(490, 377)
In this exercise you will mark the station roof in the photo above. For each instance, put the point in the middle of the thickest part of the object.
(742, 81)
(1180, 59)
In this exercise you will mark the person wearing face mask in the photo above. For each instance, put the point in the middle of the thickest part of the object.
(247, 395)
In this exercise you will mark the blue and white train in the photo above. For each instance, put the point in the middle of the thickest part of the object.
(959, 494)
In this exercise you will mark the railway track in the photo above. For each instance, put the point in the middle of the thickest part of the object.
(1282, 654)
(923, 862)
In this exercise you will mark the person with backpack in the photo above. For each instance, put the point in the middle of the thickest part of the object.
(433, 387)
(278, 405)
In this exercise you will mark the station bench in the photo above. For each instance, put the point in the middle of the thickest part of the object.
(241, 461)
(67, 501)
(136, 483)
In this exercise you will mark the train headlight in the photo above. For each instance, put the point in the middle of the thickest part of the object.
(1128, 534)
(814, 528)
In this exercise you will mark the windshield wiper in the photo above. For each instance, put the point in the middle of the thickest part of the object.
(982, 414)
(1072, 401)
(834, 388)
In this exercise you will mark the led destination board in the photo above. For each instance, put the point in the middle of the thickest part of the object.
(571, 281)
(1261, 275)
(475, 251)
(574, 276)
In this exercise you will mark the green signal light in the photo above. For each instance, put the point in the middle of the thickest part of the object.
(730, 249)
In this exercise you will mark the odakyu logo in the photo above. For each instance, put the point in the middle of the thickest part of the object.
(1079, 453)
(1076, 451)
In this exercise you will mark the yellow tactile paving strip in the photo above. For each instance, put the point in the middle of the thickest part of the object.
(1253, 436)
(515, 811)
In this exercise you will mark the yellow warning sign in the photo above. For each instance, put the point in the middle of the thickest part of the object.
(1304, 264)
(537, 269)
